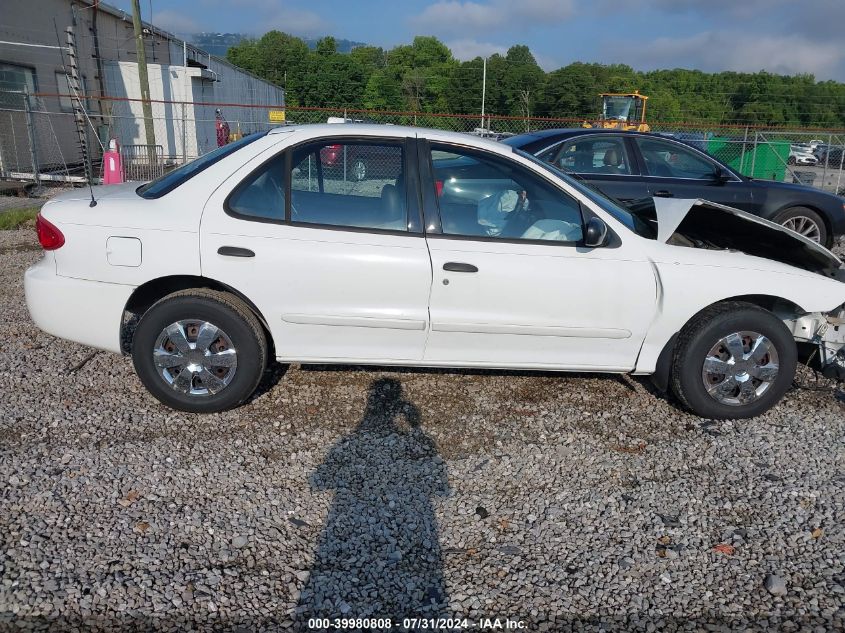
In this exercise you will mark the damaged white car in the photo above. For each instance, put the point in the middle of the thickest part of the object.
(451, 251)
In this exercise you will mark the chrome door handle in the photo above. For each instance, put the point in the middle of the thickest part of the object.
(664, 193)
(235, 251)
(460, 267)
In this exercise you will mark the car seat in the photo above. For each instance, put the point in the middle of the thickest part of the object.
(393, 205)
(613, 161)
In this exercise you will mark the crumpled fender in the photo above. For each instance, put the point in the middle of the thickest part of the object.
(720, 226)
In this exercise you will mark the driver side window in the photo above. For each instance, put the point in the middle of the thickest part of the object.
(482, 195)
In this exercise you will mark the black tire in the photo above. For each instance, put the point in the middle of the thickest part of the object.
(232, 317)
(703, 332)
(809, 214)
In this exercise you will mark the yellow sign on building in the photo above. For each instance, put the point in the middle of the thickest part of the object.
(276, 116)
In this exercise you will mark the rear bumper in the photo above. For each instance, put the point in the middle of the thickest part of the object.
(87, 312)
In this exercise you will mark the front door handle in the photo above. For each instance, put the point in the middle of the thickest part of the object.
(235, 251)
(460, 267)
(664, 193)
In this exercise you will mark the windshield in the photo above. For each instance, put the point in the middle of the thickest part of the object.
(612, 206)
(172, 179)
(618, 108)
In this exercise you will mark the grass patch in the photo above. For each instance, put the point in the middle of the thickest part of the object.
(16, 218)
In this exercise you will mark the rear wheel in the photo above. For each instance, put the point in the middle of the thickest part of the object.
(733, 360)
(805, 222)
(200, 350)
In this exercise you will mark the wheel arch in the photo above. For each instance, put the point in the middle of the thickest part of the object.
(145, 295)
(774, 304)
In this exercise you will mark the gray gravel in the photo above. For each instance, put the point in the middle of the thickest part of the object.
(569, 502)
(8, 202)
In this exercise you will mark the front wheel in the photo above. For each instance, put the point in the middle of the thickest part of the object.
(805, 222)
(733, 360)
(200, 350)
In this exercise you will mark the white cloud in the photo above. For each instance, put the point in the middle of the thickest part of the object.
(714, 51)
(295, 22)
(176, 22)
(464, 19)
(465, 50)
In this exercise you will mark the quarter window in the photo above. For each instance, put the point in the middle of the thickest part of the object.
(672, 160)
(262, 194)
(352, 184)
(485, 196)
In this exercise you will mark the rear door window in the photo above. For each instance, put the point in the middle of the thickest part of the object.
(593, 155)
(351, 184)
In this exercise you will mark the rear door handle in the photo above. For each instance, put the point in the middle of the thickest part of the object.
(664, 193)
(460, 267)
(235, 251)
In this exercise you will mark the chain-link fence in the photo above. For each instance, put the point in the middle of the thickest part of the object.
(184, 130)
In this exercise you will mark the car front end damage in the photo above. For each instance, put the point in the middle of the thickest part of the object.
(706, 225)
(822, 337)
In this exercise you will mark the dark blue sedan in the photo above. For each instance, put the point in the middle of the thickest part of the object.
(630, 166)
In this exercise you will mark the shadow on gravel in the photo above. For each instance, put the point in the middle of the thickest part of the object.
(379, 554)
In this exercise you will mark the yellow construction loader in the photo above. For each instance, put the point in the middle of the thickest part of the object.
(622, 111)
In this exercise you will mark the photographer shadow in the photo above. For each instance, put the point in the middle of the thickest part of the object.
(379, 553)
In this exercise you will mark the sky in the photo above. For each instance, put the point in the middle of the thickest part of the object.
(779, 36)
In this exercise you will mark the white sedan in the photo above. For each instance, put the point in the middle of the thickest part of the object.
(451, 251)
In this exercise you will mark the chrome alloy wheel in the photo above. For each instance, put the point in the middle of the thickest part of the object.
(740, 368)
(805, 226)
(195, 357)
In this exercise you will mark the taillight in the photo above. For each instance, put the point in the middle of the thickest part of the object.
(50, 237)
(438, 185)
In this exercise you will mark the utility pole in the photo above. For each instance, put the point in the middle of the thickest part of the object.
(145, 81)
(483, 91)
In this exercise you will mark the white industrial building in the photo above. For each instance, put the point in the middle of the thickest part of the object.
(33, 60)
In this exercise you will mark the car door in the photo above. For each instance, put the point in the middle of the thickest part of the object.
(513, 284)
(605, 161)
(676, 170)
(335, 262)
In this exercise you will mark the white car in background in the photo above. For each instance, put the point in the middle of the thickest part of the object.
(469, 254)
(801, 155)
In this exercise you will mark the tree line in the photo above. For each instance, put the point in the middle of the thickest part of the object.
(424, 76)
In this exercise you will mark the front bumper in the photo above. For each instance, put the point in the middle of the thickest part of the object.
(87, 312)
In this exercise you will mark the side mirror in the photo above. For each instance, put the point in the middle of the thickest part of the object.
(721, 175)
(596, 233)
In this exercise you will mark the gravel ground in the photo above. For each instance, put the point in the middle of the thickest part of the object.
(10, 202)
(567, 502)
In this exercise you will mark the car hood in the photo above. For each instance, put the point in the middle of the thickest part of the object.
(705, 224)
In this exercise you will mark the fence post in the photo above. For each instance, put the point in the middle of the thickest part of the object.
(742, 154)
(826, 155)
(33, 145)
(754, 155)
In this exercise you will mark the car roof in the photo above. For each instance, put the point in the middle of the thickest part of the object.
(376, 130)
